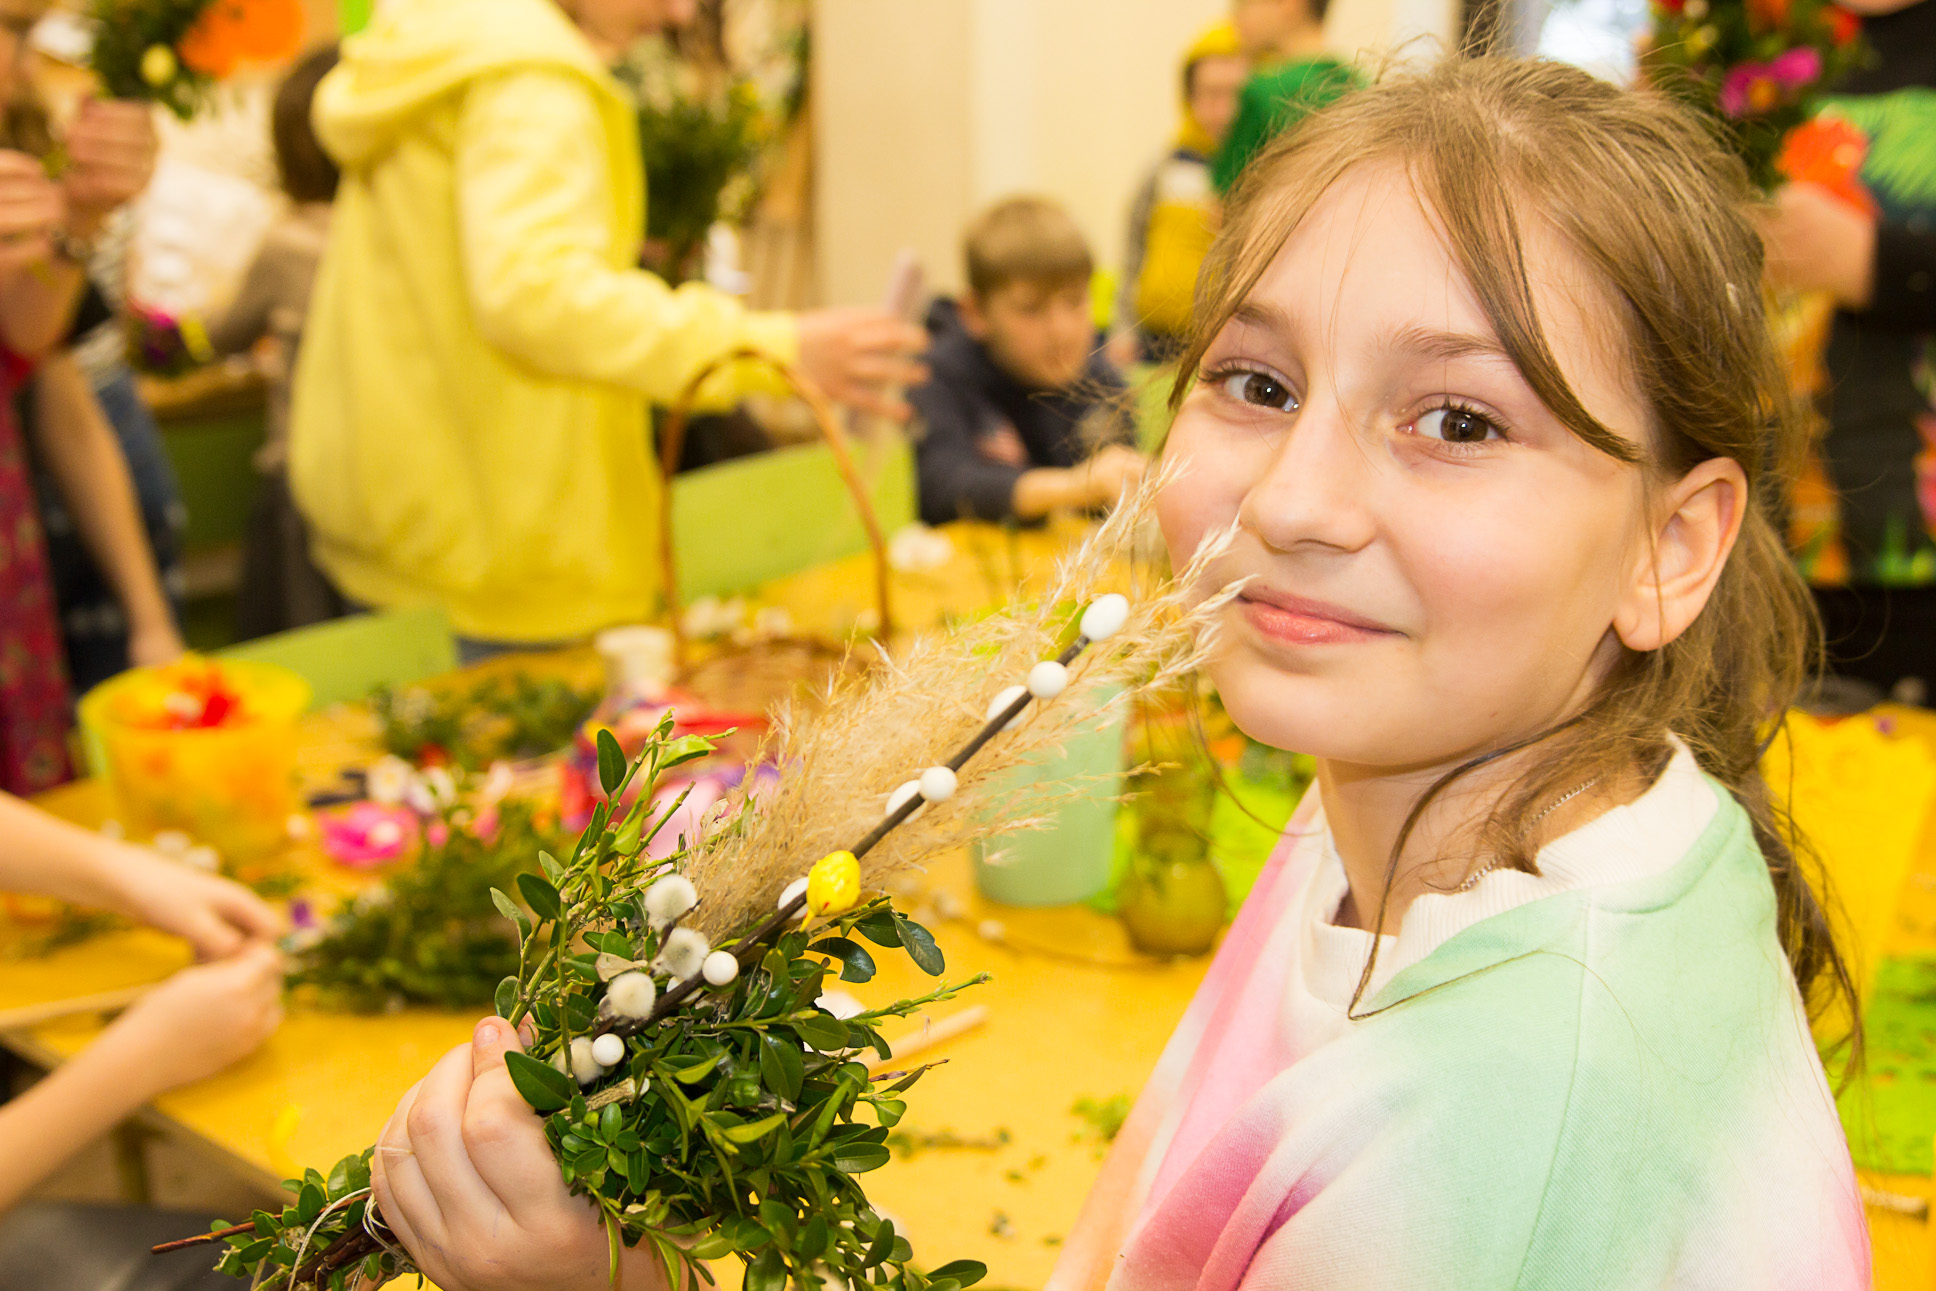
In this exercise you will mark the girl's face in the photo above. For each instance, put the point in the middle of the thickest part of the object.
(1436, 563)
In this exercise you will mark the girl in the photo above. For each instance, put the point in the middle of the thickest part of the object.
(1482, 385)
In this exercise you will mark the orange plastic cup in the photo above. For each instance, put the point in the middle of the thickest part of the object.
(232, 786)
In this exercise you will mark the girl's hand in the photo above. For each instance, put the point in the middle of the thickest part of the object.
(465, 1179)
(111, 147)
(217, 916)
(197, 1022)
(31, 208)
(156, 643)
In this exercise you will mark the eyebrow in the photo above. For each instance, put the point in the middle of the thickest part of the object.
(1420, 341)
(1446, 346)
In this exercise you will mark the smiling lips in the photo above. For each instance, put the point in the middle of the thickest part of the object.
(1294, 620)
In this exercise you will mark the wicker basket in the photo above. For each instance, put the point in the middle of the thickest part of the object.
(753, 677)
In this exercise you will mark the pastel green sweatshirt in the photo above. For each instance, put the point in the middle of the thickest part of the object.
(469, 417)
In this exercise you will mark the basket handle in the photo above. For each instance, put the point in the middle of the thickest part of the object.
(673, 438)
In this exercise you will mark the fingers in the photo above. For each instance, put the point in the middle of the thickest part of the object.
(436, 1125)
(505, 1138)
(246, 911)
(405, 1200)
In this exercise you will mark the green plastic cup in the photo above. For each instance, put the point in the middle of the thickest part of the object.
(1071, 859)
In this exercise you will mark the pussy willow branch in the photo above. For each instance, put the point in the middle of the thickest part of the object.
(751, 946)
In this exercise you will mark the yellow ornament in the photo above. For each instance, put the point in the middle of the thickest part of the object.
(833, 884)
(158, 65)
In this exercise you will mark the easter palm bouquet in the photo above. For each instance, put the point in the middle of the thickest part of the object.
(693, 1089)
(1755, 67)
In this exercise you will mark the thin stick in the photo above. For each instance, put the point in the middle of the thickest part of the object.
(749, 949)
(929, 1036)
(32, 1015)
(202, 1239)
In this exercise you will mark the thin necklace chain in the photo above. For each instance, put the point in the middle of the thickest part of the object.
(1472, 879)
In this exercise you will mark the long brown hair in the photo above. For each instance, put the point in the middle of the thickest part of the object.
(1660, 213)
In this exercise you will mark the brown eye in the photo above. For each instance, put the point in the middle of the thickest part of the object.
(1457, 426)
(1261, 390)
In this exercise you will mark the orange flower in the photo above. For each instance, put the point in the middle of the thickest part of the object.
(1767, 15)
(1828, 151)
(229, 31)
(213, 45)
(270, 30)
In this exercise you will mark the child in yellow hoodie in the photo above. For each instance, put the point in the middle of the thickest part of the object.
(469, 416)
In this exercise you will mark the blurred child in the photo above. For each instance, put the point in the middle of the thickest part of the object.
(1292, 77)
(281, 588)
(1018, 388)
(1173, 218)
(193, 1025)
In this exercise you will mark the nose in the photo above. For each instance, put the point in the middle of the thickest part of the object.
(1317, 490)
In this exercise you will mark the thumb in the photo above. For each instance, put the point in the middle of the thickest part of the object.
(492, 1039)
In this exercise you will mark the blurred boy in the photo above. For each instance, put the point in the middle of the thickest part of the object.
(1016, 380)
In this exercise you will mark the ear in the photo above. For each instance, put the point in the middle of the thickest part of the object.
(1694, 532)
(973, 320)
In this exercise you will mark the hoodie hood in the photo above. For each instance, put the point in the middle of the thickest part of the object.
(417, 51)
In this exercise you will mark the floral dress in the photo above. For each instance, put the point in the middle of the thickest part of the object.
(34, 711)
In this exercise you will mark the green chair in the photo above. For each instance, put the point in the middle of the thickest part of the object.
(346, 659)
(753, 519)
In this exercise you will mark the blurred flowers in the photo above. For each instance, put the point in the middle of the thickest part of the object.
(172, 51)
(1756, 67)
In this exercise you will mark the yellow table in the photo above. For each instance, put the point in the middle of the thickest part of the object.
(997, 1163)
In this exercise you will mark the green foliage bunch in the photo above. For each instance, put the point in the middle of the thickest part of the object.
(741, 1114)
(515, 716)
(700, 149)
(429, 934)
(125, 31)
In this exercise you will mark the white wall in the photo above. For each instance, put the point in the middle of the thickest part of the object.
(927, 110)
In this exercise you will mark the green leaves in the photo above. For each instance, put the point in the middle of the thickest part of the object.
(820, 1029)
(539, 1083)
(920, 946)
(540, 896)
(611, 762)
(963, 1273)
(889, 927)
(856, 964)
(782, 1069)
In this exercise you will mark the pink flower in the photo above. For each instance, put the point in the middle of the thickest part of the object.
(1797, 68)
(366, 834)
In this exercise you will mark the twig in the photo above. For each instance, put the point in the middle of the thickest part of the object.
(32, 1015)
(926, 1038)
(202, 1239)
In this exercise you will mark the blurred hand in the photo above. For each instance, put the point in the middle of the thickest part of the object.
(154, 644)
(1003, 445)
(31, 208)
(1121, 350)
(862, 357)
(198, 1021)
(111, 147)
(1818, 242)
(1111, 473)
(217, 916)
(467, 1182)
